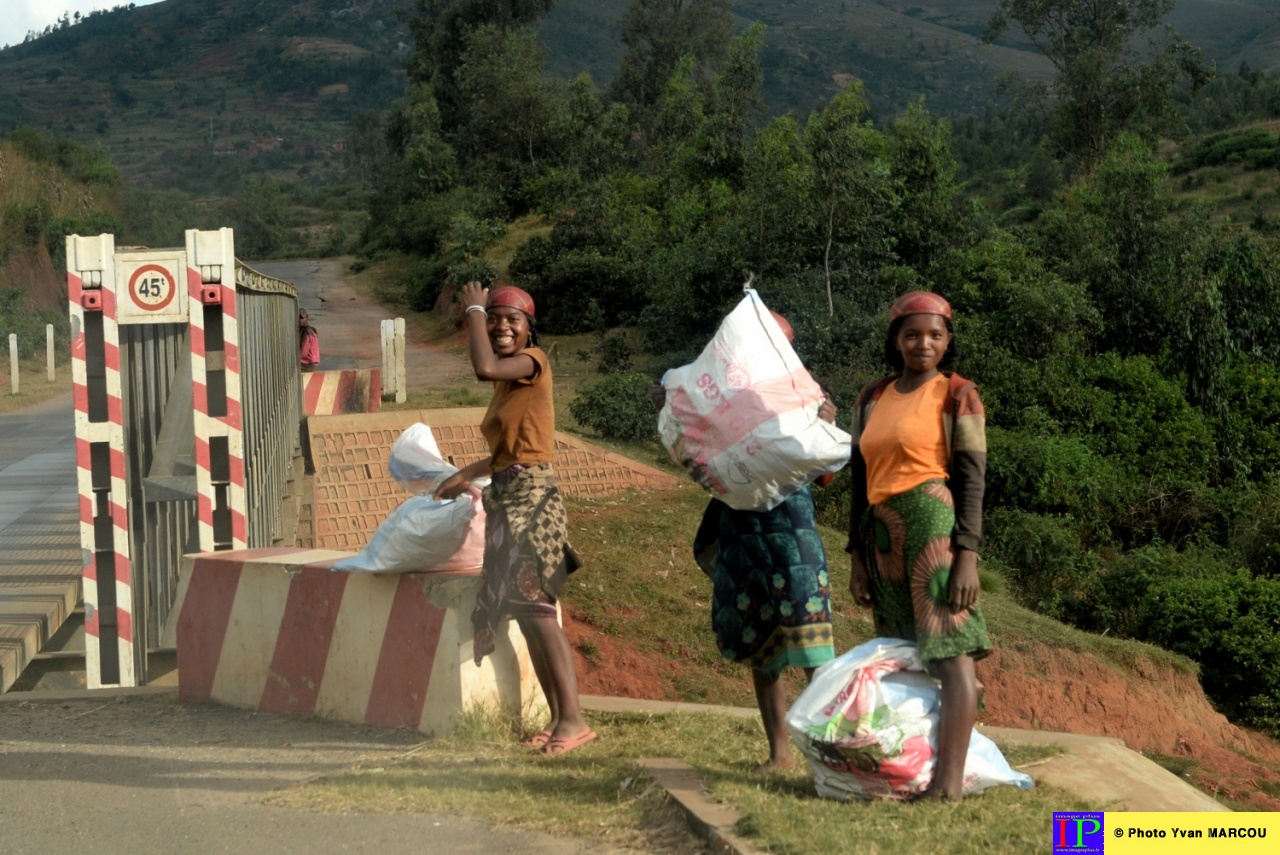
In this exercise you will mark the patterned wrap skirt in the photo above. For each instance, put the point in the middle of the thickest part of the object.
(527, 555)
(909, 553)
(771, 599)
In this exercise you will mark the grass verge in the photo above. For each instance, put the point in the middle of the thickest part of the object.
(33, 385)
(599, 792)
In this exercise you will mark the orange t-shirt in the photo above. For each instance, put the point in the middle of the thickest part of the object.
(903, 441)
(520, 425)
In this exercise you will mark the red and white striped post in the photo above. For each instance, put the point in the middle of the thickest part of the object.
(215, 377)
(99, 415)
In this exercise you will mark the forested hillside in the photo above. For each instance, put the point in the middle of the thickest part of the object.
(202, 95)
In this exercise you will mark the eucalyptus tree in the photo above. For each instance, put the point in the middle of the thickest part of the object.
(1108, 81)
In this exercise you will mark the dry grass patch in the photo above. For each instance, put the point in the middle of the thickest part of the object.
(600, 791)
(33, 384)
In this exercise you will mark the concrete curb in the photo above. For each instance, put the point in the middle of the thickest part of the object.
(712, 821)
(43, 697)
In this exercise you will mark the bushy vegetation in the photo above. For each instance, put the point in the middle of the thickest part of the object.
(618, 407)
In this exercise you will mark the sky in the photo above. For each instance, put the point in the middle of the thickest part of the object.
(19, 16)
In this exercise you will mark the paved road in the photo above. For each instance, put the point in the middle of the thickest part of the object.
(129, 772)
(349, 326)
(40, 559)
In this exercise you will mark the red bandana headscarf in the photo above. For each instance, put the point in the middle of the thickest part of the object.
(510, 296)
(919, 303)
(785, 324)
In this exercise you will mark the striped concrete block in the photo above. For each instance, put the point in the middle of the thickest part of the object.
(278, 631)
(332, 393)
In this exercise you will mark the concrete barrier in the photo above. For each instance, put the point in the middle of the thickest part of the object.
(276, 630)
(350, 390)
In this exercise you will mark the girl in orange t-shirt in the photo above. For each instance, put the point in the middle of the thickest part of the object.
(527, 555)
(916, 521)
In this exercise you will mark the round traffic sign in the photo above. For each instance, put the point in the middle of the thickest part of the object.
(151, 288)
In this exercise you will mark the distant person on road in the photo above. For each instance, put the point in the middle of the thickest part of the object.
(308, 342)
(771, 597)
(919, 474)
(527, 555)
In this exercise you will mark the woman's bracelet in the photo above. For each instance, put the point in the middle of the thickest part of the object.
(476, 308)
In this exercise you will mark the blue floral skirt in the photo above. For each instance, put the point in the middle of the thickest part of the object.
(771, 603)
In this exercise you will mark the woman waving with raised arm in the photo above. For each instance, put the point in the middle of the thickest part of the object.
(527, 555)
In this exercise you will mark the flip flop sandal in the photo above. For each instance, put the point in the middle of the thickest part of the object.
(539, 739)
(558, 746)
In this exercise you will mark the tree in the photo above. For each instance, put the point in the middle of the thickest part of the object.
(853, 190)
(1106, 83)
(440, 29)
(510, 105)
(657, 34)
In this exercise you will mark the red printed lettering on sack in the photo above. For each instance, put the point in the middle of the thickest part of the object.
(844, 695)
(710, 389)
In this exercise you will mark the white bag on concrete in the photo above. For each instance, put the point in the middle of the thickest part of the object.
(868, 724)
(425, 535)
(742, 418)
(415, 460)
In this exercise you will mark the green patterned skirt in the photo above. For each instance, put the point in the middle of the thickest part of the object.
(908, 550)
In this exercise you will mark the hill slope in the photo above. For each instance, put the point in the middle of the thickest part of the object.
(201, 93)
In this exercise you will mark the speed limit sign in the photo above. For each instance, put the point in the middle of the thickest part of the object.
(156, 283)
(151, 287)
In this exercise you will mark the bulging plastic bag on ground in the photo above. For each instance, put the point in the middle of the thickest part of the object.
(742, 418)
(415, 460)
(868, 724)
(425, 535)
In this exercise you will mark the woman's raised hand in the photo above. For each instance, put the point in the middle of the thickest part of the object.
(474, 294)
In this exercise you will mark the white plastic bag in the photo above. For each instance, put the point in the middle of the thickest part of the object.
(415, 460)
(742, 418)
(425, 535)
(868, 723)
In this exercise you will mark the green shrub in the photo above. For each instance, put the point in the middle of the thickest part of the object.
(618, 407)
(1048, 568)
(615, 354)
(1231, 626)
(1255, 536)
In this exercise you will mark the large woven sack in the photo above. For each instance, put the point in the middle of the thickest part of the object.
(742, 419)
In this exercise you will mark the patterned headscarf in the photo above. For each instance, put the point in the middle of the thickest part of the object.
(510, 296)
(919, 303)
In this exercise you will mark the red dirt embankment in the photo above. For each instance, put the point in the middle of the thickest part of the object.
(1153, 708)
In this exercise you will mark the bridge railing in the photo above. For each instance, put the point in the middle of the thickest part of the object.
(187, 402)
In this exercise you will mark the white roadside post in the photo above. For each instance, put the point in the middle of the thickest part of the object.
(393, 380)
(48, 348)
(13, 361)
(388, 358)
(402, 391)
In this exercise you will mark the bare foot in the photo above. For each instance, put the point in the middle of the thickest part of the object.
(773, 764)
(941, 795)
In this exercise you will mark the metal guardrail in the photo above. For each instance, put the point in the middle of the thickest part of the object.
(271, 397)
